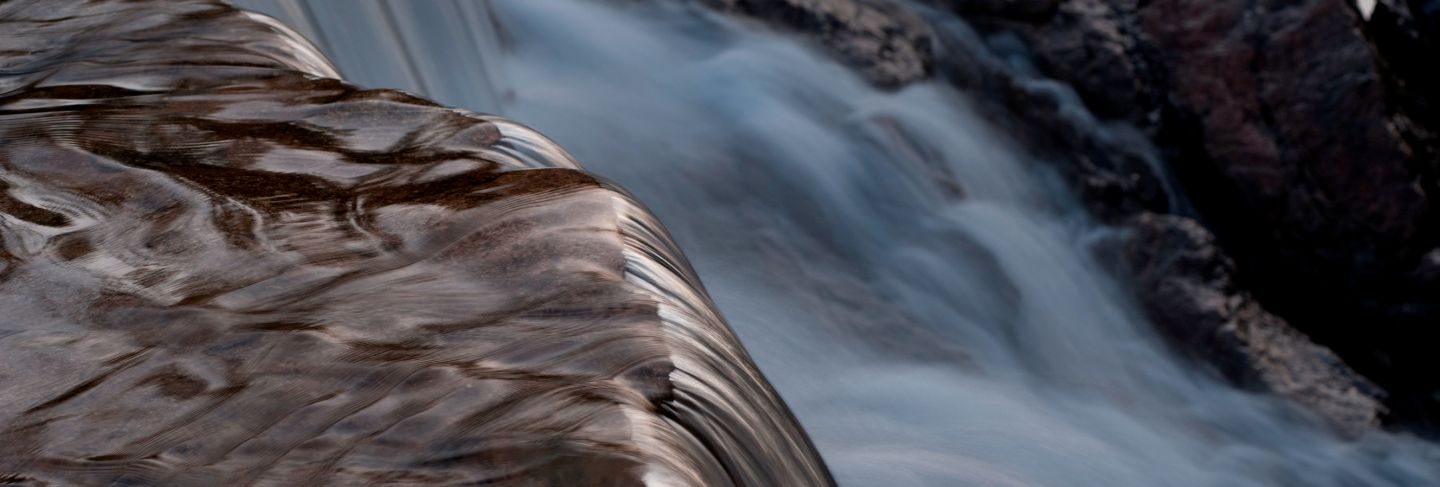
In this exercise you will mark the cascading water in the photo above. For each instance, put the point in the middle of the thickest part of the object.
(923, 294)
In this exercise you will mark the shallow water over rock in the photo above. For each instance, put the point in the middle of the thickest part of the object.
(222, 265)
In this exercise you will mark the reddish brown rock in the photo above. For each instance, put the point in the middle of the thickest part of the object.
(1305, 139)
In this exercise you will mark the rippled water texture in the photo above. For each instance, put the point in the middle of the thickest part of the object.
(222, 266)
(924, 293)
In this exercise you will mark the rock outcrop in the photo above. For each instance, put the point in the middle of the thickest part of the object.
(1190, 291)
(1305, 138)
(222, 265)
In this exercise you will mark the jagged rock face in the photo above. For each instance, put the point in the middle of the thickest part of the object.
(1190, 292)
(1093, 44)
(1294, 156)
(221, 265)
(890, 46)
(1305, 138)
(1305, 141)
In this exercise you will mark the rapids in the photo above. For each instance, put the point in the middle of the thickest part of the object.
(926, 296)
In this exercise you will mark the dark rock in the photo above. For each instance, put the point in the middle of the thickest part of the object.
(1305, 138)
(1299, 153)
(1109, 164)
(888, 43)
(1009, 9)
(1282, 118)
(1091, 42)
(1405, 38)
(1187, 287)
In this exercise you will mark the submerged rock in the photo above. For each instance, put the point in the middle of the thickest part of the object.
(888, 43)
(221, 264)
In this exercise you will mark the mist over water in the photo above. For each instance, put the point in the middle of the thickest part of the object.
(925, 295)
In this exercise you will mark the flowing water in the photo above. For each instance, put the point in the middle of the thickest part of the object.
(922, 293)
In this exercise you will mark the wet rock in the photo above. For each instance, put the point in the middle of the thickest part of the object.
(1109, 163)
(1302, 154)
(1305, 138)
(1187, 287)
(887, 42)
(1091, 44)
(219, 264)
(1281, 116)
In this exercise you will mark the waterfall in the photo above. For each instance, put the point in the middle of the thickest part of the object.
(925, 296)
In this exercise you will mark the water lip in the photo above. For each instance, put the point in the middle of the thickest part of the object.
(344, 254)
